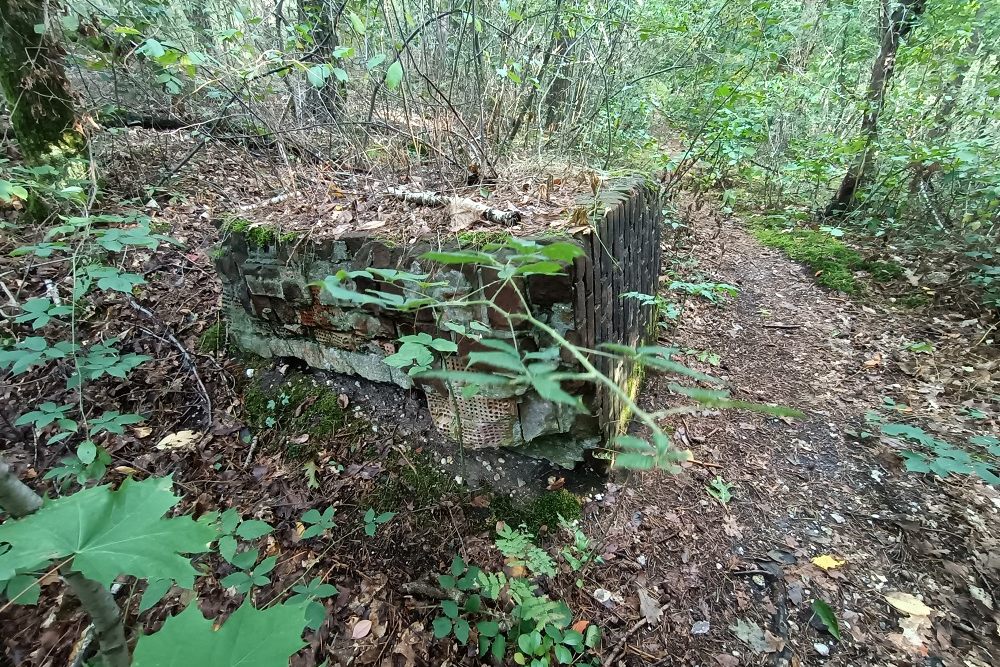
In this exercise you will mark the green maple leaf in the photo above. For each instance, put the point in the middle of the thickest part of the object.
(258, 637)
(108, 533)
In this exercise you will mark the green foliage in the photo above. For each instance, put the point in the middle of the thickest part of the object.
(107, 533)
(668, 312)
(214, 338)
(317, 522)
(713, 292)
(257, 235)
(828, 618)
(262, 637)
(416, 485)
(544, 510)
(295, 407)
(832, 262)
(310, 595)
(536, 628)
(417, 352)
(579, 553)
(720, 489)
(374, 520)
(941, 457)
(520, 550)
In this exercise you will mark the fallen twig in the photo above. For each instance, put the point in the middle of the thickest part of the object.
(273, 200)
(782, 326)
(205, 397)
(620, 646)
(433, 199)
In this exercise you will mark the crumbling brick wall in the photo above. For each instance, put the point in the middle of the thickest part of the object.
(275, 308)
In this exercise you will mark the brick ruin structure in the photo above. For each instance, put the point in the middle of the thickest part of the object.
(276, 308)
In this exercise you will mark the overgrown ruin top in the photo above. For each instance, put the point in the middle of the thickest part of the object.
(349, 204)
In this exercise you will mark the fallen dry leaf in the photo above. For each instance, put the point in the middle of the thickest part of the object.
(907, 603)
(649, 607)
(827, 562)
(178, 440)
(361, 629)
(580, 625)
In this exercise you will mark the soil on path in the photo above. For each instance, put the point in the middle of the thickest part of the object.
(737, 582)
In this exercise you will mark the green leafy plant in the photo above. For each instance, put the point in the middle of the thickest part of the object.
(317, 523)
(713, 292)
(939, 456)
(720, 489)
(519, 548)
(373, 520)
(825, 614)
(578, 554)
(310, 595)
(536, 630)
(668, 312)
(265, 637)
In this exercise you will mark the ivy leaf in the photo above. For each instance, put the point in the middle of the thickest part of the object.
(108, 534)
(394, 75)
(259, 637)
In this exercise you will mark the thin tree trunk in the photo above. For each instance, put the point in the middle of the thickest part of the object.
(107, 617)
(15, 497)
(20, 501)
(530, 98)
(321, 17)
(900, 22)
(34, 82)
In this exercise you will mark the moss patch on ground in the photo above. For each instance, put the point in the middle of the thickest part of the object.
(214, 339)
(297, 407)
(544, 510)
(833, 262)
(417, 483)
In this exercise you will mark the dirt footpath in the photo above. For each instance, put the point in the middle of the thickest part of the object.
(907, 563)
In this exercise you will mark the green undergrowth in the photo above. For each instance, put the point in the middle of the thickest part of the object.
(833, 262)
(415, 484)
(258, 236)
(294, 408)
(534, 513)
(214, 339)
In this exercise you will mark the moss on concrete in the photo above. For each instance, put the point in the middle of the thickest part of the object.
(258, 236)
(544, 510)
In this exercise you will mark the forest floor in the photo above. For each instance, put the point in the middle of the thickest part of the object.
(821, 509)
